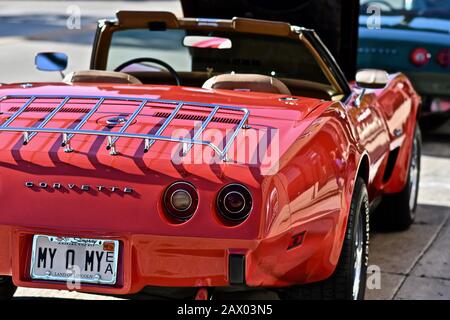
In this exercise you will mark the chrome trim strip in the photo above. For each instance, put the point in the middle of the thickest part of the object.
(202, 128)
(112, 144)
(66, 140)
(241, 125)
(18, 112)
(113, 134)
(125, 98)
(166, 123)
(30, 132)
(46, 120)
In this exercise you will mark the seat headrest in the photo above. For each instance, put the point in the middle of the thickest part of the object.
(100, 76)
(247, 82)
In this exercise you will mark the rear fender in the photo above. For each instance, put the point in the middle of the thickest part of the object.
(319, 181)
(403, 142)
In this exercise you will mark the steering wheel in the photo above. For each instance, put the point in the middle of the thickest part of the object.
(366, 5)
(152, 60)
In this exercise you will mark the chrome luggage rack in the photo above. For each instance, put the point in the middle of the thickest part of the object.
(112, 137)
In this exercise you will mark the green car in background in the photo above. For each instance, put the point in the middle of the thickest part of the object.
(411, 36)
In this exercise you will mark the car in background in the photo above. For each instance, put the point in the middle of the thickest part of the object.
(413, 36)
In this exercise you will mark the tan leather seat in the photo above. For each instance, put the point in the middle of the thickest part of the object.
(100, 76)
(247, 82)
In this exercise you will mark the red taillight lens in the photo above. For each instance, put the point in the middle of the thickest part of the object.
(443, 58)
(420, 57)
(180, 200)
(234, 203)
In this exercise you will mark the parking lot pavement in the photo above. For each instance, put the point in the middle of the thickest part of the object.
(415, 264)
(408, 260)
(29, 27)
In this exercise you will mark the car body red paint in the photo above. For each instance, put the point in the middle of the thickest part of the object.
(323, 146)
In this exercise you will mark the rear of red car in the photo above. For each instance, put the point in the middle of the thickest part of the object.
(91, 221)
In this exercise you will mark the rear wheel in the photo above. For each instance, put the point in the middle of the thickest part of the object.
(348, 281)
(398, 211)
(433, 122)
(7, 288)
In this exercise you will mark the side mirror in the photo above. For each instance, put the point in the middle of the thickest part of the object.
(370, 79)
(51, 61)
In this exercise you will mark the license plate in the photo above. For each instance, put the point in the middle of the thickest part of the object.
(77, 260)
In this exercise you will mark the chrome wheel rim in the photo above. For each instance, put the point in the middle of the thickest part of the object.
(358, 255)
(413, 177)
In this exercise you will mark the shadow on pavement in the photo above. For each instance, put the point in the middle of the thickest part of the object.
(419, 255)
(436, 143)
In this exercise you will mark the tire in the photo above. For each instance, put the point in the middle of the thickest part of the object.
(397, 211)
(348, 282)
(7, 288)
(433, 122)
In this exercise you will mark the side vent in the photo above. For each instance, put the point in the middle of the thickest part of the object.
(50, 109)
(393, 155)
(196, 118)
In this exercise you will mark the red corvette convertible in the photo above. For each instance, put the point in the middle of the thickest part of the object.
(200, 157)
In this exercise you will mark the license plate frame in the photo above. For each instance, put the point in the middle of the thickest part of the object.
(60, 242)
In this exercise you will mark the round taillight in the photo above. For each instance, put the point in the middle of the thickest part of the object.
(420, 57)
(443, 58)
(234, 203)
(180, 200)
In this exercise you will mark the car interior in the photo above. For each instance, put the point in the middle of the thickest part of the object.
(211, 60)
(237, 82)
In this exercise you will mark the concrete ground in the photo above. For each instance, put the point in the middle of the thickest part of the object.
(416, 264)
(413, 264)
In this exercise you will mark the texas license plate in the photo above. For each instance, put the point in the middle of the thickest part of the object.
(77, 260)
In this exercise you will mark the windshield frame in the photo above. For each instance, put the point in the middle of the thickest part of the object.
(161, 20)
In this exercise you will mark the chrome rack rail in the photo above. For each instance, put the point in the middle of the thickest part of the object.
(112, 137)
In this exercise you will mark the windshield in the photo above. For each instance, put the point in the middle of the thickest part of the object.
(235, 52)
